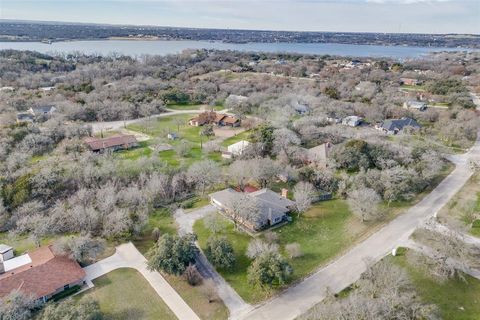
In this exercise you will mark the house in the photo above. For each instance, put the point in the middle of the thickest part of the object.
(415, 105)
(319, 155)
(25, 117)
(40, 273)
(42, 111)
(272, 207)
(352, 121)
(410, 82)
(172, 136)
(113, 143)
(211, 117)
(394, 126)
(6, 252)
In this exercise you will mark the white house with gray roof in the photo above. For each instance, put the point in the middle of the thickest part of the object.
(272, 207)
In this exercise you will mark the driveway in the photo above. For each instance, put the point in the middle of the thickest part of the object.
(347, 269)
(127, 256)
(230, 297)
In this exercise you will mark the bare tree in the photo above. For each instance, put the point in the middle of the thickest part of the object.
(303, 193)
(293, 250)
(365, 204)
(256, 247)
(204, 174)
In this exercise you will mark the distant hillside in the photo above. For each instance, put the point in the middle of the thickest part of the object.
(11, 30)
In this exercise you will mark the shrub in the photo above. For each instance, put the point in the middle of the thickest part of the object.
(192, 275)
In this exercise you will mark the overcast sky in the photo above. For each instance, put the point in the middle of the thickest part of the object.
(419, 16)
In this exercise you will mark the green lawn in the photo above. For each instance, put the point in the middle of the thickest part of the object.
(455, 299)
(323, 232)
(454, 211)
(161, 219)
(245, 135)
(160, 127)
(125, 294)
(23, 243)
(134, 153)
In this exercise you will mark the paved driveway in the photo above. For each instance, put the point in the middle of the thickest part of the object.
(127, 256)
(235, 304)
(336, 276)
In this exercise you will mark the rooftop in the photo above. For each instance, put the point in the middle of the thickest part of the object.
(43, 275)
(103, 143)
(4, 248)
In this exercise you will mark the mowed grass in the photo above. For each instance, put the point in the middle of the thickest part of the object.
(125, 294)
(160, 127)
(323, 232)
(161, 219)
(455, 298)
(193, 296)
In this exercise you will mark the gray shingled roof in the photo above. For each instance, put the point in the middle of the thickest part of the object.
(399, 124)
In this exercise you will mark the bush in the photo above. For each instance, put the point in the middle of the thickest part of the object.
(268, 270)
(293, 250)
(219, 252)
(192, 275)
(476, 224)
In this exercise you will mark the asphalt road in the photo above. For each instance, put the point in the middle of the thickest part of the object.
(347, 269)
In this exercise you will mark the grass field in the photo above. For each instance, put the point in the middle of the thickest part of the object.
(455, 299)
(245, 135)
(163, 220)
(125, 294)
(159, 128)
(323, 232)
(468, 198)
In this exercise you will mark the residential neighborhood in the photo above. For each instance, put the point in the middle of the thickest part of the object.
(149, 174)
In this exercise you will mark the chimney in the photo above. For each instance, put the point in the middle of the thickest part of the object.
(285, 193)
(2, 267)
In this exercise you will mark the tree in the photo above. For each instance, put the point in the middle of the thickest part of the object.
(264, 170)
(81, 248)
(214, 223)
(83, 309)
(172, 254)
(219, 252)
(303, 193)
(192, 275)
(240, 171)
(364, 203)
(257, 247)
(383, 292)
(156, 234)
(244, 209)
(268, 270)
(17, 306)
(293, 250)
(178, 122)
(204, 174)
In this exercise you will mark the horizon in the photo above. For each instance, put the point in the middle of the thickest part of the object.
(205, 28)
(359, 16)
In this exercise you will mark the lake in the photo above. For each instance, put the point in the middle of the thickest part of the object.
(163, 47)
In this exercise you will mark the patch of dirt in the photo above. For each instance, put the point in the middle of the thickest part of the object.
(224, 132)
(140, 136)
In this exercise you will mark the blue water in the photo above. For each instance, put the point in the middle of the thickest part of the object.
(161, 47)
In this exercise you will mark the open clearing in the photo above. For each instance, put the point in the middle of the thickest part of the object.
(125, 294)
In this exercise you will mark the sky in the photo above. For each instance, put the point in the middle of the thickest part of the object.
(407, 16)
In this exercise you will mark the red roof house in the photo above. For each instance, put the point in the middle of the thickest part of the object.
(44, 274)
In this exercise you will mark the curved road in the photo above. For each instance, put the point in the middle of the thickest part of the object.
(347, 269)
